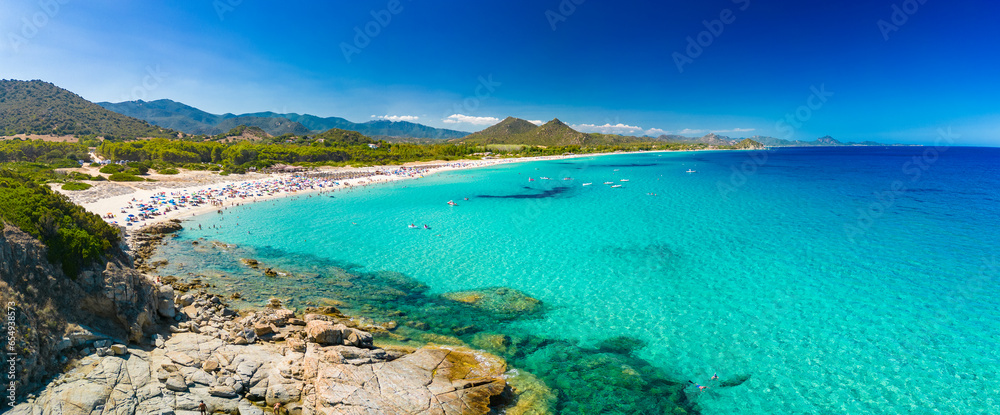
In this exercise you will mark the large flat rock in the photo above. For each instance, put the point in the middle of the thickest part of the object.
(171, 379)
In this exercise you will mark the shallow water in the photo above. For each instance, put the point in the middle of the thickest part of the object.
(838, 280)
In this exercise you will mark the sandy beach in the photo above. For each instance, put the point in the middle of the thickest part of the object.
(191, 193)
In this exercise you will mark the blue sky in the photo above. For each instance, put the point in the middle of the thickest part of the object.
(792, 69)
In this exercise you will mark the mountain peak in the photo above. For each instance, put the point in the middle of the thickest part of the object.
(496, 133)
(555, 123)
(828, 140)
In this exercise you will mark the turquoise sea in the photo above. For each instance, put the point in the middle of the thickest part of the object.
(811, 280)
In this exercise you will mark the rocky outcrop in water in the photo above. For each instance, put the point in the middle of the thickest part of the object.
(271, 357)
(144, 243)
(99, 328)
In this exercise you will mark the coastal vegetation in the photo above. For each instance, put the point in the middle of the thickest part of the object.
(62, 154)
(74, 237)
(75, 186)
(125, 177)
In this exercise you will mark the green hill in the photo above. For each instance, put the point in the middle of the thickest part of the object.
(553, 133)
(37, 107)
(710, 139)
(273, 126)
(748, 144)
(345, 137)
(243, 133)
(500, 133)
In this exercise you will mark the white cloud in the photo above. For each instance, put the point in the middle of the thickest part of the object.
(536, 122)
(656, 132)
(459, 118)
(410, 118)
(687, 131)
(608, 128)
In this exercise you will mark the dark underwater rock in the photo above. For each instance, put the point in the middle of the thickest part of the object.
(498, 300)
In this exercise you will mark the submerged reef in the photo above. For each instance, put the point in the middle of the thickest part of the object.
(547, 374)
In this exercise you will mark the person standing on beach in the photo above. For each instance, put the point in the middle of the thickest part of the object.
(203, 408)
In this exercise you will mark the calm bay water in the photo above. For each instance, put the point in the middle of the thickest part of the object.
(831, 280)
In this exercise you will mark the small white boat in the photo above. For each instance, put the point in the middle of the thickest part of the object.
(587, 184)
(690, 171)
(609, 182)
(544, 178)
(624, 180)
(617, 185)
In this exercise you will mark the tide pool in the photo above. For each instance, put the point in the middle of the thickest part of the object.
(831, 280)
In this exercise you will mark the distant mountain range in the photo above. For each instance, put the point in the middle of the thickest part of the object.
(556, 133)
(721, 140)
(38, 107)
(191, 120)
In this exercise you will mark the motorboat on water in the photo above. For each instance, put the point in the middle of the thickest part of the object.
(609, 182)
(616, 186)
(691, 171)
(544, 178)
(567, 178)
(624, 180)
(530, 179)
(587, 184)
(412, 226)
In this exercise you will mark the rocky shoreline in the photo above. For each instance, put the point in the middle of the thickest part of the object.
(316, 362)
(246, 364)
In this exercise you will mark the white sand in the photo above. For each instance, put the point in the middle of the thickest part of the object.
(100, 202)
(191, 182)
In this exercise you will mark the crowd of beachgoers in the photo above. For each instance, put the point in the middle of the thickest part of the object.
(142, 203)
(172, 202)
